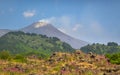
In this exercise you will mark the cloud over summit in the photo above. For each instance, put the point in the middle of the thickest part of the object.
(29, 13)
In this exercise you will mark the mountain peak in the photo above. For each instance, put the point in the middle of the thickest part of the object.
(41, 23)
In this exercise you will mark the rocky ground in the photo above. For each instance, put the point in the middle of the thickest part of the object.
(77, 63)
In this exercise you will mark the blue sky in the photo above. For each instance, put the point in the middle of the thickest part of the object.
(88, 20)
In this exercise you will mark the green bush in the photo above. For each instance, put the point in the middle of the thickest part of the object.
(5, 55)
(114, 58)
(20, 58)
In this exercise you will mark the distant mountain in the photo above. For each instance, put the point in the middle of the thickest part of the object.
(4, 31)
(45, 28)
(20, 42)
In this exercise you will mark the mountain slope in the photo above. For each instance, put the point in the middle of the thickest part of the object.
(20, 42)
(3, 32)
(47, 29)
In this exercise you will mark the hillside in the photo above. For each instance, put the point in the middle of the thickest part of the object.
(76, 63)
(20, 42)
(111, 48)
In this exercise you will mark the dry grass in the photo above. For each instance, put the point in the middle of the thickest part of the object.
(76, 63)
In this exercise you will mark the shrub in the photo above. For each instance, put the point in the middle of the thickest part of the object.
(5, 55)
(114, 58)
(20, 58)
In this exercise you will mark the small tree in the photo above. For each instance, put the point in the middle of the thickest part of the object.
(5, 55)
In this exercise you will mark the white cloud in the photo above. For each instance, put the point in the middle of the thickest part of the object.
(48, 20)
(76, 27)
(29, 13)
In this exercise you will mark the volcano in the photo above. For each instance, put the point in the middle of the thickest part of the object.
(48, 29)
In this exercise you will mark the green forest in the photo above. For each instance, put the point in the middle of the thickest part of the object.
(97, 48)
(30, 43)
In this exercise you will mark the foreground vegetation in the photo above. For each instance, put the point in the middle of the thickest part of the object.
(76, 63)
(114, 58)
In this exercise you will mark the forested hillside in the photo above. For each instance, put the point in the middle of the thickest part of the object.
(20, 42)
(111, 47)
